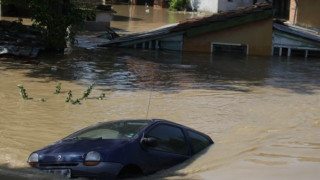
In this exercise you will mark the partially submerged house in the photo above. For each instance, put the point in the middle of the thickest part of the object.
(299, 35)
(247, 30)
(291, 40)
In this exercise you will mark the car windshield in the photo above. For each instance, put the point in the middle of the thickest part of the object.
(111, 130)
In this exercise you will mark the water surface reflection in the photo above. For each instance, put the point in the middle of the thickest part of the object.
(141, 18)
(129, 69)
(262, 112)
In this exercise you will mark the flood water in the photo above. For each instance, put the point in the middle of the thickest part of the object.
(262, 112)
(131, 19)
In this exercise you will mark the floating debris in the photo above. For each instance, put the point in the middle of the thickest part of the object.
(19, 40)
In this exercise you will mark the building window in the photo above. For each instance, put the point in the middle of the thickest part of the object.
(229, 48)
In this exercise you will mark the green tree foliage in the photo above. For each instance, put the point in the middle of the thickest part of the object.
(57, 19)
(178, 5)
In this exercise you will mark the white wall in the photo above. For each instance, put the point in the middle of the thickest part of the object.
(215, 6)
(204, 5)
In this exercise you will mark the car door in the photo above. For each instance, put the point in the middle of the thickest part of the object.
(198, 141)
(171, 149)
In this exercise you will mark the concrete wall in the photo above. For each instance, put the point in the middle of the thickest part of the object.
(215, 6)
(308, 13)
(257, 35)
(101, 23)
(293, 12)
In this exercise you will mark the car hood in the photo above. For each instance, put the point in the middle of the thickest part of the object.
(75, 150)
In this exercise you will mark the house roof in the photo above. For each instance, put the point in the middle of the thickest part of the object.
(153, 34)
(196, 26)
(222, 16)
(297, 31)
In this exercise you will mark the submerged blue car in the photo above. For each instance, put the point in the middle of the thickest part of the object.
(120, 149)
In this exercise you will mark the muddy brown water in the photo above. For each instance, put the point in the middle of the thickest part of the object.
(129, 19)
(262, 112)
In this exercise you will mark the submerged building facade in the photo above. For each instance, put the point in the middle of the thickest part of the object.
(247, 31)
(298, 32)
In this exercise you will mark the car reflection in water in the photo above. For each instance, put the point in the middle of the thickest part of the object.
(120, 149)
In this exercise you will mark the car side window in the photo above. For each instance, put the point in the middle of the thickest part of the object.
(198, 141)
(170, 139)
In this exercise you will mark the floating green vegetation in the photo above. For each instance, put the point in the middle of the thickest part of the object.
(58, 89)
(69, 99)
(102, 96)
(87, 92)
(23, 92)
(77, 101)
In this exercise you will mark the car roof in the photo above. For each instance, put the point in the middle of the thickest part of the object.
(156, 121)
(153, 121)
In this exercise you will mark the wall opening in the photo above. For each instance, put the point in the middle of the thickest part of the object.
(229, 48)
(295, 51)
(281, 9)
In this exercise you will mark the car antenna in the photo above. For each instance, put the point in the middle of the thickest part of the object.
(149, 102)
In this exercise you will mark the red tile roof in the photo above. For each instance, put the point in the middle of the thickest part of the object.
(190, 23)
(222, 16)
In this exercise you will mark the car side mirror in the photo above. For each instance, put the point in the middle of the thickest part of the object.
(149, 142)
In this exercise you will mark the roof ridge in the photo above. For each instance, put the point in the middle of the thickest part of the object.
(221, 16)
